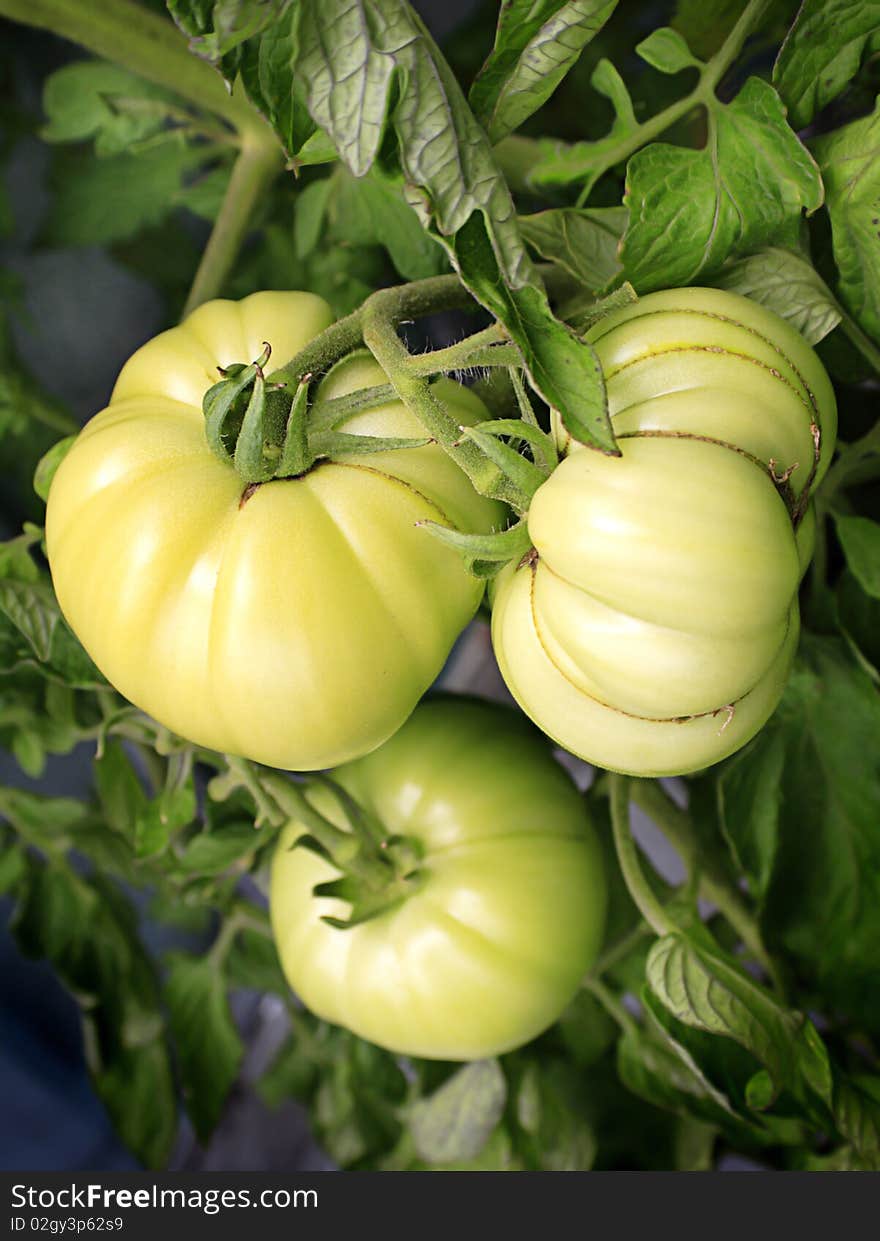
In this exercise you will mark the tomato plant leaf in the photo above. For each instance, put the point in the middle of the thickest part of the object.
(32, 609)
(823, 51)
(49, 463)
(210, 853)
(372, 210)
(667, 51)
(749, 801)
(561, 371)
(354, 82)
(583, 242)
(208, 1044)
(703, 990)
(535, 46)
(267, 72)
(253, 963)
(136, 1085)
(691, 210)
(705, 26)
(857, 1115)
(47, 822)
(96, 201)
(788, 284)
(89, 933)
(310, 214)
(13, 867)
(860, 540)
(558, 164)
(120, 790)
(217, 28)
(858, 617)
(204, 195)
(850, 162)
(821, 900)
(93, 99)
(662, 1071)
(453, 1124)
(547, 1109)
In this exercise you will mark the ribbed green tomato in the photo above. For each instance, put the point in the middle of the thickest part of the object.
(296, 623)
(653, 629)
(509, 912)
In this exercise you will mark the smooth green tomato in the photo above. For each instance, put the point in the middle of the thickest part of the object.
(509, 907)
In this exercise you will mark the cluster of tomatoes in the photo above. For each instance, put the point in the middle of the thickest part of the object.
(300, 622)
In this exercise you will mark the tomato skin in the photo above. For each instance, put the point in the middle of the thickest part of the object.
(712, 363)
(488, 952)
(297, 627)
(653, 630)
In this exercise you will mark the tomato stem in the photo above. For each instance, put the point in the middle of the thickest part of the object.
(611, 1004)
(714, 886)
(628, 857)
(495, 469)
(519, 157)
(489, 477)
(376, 871)
(146, 44)
(152, 47)
(258, 163)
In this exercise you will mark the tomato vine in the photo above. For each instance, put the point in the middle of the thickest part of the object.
(402, 187)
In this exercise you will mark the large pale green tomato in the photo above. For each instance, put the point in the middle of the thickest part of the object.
(296, 623)
(510, 909)
(653, 627)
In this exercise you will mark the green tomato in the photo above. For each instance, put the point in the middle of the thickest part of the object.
(711, 363)
(654, 626)
(297, 623)
(509, 911)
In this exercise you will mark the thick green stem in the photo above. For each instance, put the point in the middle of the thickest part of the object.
(143, 42)
(397, 304)
(258, 164)
(153, 48)
(408, 301)
(416, 393)
(226, 936)
(327, 414)
(482, 349)
(621, 949)
(518, 156)
(375, 325)
(292, 801)
(730, 49)
(628, 857)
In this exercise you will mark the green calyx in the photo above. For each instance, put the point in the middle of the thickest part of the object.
(505, 441)
(268, 428)
(265, 431)
(254, 426)
(377, 870)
